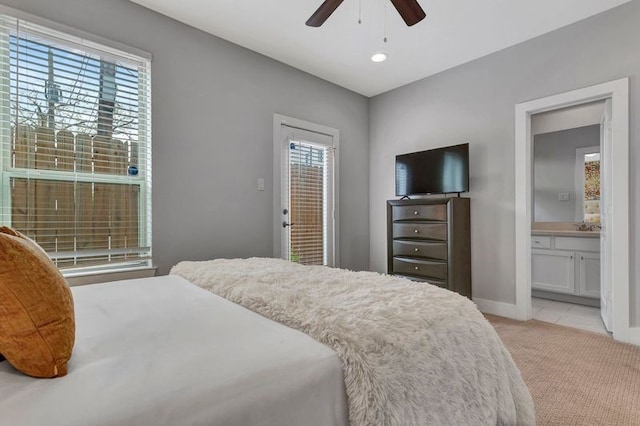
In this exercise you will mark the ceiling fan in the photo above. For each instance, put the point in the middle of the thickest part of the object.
(410, 11)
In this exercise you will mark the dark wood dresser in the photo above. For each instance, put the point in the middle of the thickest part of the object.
(429, 240)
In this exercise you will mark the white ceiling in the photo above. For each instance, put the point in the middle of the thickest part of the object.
(454, 32)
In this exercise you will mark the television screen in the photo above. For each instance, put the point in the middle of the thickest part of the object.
(436, 171)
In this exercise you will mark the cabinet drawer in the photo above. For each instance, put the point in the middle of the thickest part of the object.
(436, 212)
(578, 243)
(420, 249)
(423, 268)
(540, 242)
(427, 231)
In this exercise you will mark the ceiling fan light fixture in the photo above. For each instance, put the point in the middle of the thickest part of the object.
(409, 10)
(379, 57)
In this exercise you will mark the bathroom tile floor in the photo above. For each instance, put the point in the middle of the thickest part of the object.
(568, 314)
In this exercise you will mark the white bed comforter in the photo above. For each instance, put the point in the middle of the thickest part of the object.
(163, 352)
(413, 354)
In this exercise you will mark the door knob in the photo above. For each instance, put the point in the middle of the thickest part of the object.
(285, 224)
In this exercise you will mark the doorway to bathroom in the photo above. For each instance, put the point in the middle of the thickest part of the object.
(571, 262)
(566, 261)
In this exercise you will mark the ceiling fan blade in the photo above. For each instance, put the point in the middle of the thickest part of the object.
(410, 11)
(324, 11)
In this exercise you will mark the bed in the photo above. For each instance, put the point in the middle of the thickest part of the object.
(268, 342)
(161, 351)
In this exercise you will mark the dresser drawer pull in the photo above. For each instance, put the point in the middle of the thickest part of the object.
(417, 268)
(415, 231)
(415, 213)
(416, 249)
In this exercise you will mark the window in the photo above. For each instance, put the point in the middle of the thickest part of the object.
(310, 202)
(588, 184)
(75, 146)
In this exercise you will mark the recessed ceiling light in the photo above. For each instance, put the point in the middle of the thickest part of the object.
(379, 57)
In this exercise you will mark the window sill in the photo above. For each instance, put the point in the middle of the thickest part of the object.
(96, 277)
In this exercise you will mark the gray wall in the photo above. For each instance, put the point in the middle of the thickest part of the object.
(475, 103)
(554, 171)
(213, 106)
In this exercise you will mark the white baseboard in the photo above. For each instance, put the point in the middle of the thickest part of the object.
(634, 336)
(501, 309)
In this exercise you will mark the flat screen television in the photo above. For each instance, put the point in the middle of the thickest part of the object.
(435, 171)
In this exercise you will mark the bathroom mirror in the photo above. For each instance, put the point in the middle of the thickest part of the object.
(566, 175)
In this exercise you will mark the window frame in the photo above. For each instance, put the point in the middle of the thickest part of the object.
(105, 48)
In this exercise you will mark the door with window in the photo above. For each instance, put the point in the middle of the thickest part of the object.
(307, 197)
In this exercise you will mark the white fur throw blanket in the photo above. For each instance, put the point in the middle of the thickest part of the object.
(413, 353)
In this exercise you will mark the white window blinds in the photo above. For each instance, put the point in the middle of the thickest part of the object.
(311, 202)
(75, 143)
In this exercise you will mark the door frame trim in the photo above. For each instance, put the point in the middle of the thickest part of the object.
(618, 92)
(278, 121)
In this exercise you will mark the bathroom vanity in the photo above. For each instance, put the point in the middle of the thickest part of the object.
(565, 265)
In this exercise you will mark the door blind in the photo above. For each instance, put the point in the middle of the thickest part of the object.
(75, 146)
(310, 202)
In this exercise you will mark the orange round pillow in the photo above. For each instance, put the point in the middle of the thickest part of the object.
(37, 324)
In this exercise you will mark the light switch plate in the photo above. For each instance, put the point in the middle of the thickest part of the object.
(260, 184)
(564, 196)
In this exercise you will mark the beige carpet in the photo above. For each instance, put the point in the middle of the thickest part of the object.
(575, 377)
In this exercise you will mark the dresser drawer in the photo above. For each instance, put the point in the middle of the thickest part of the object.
(423, 268)
(433, 281)
(427, 231)
(420, 249)
(540, 242)
(425, 212)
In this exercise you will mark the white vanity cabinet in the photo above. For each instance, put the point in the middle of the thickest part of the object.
(553, 270)
(588, 274)
(569, 265)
